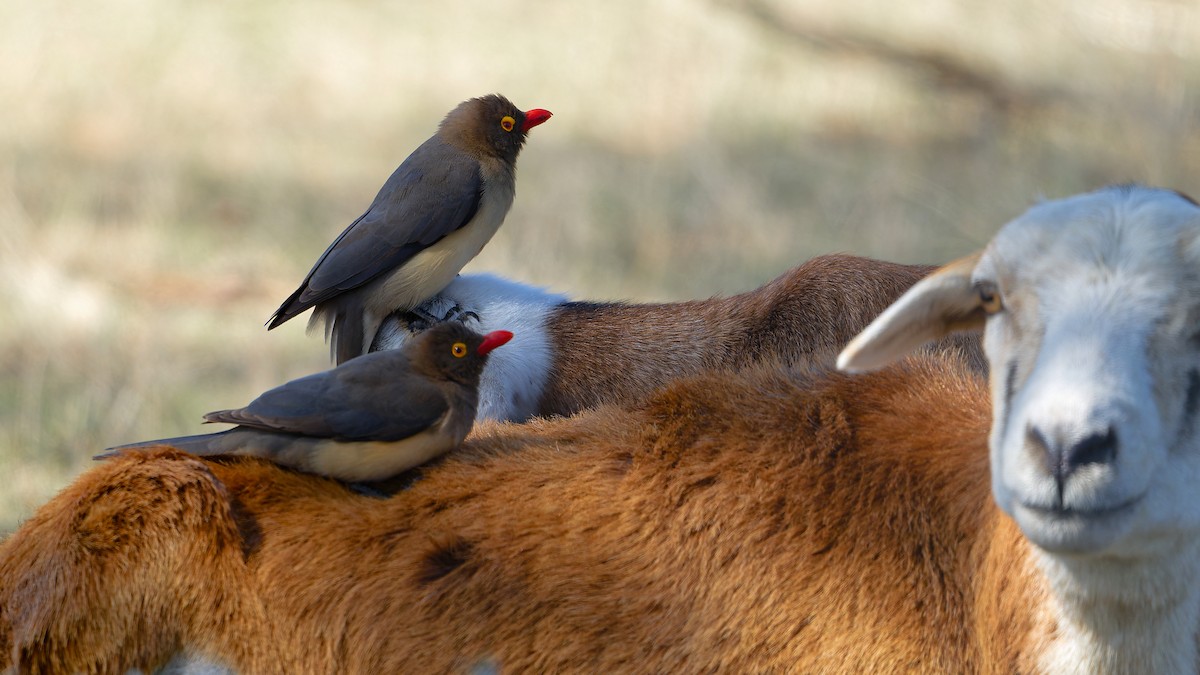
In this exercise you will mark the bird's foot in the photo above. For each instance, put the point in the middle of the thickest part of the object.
(387, 487)
(438, 309)
(463, 315)
(399, 326)
(367, 490)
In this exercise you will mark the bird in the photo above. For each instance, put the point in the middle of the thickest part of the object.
(366, 420)
(432, 216)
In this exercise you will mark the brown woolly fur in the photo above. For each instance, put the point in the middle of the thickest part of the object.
(758, 522)
(803, 317)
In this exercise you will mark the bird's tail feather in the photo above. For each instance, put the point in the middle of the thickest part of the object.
(201, 444)
(288, 310)
(344, 328)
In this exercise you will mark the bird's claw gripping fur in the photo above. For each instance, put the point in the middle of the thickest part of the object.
(438, 309)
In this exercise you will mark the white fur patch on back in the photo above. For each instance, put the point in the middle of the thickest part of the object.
(515, 375)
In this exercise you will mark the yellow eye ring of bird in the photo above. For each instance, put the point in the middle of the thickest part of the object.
(507, 123)
(459, 349)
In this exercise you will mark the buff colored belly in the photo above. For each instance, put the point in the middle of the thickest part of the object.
(372, 460)
(434, 268)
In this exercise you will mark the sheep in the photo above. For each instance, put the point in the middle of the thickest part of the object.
(1091, 312)
(763, 520)
(571, 355)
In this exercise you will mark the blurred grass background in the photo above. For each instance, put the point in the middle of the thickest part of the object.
(170, 170)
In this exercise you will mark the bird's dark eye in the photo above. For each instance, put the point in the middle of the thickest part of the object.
(989, 297)
(459, 349)
(507, 123)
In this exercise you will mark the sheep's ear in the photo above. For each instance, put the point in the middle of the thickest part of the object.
(939, 304)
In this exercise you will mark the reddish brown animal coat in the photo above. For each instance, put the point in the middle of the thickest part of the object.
(569, 356)
(613, 352)
(735, 523)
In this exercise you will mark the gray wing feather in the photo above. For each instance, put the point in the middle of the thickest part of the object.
(433, 193)
(367, 398)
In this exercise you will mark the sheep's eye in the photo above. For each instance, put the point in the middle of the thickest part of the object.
(507, 123)
(989, 297)
(459, 349)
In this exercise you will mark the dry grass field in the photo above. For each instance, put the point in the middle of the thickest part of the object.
(169, 171)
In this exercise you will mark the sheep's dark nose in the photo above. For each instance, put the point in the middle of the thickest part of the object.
(1061, 460)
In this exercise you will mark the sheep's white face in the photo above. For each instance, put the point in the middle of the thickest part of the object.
(1095, 370)
(1092, 313)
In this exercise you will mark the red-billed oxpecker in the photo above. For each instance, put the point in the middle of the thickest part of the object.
(366, 420)
(432, 216)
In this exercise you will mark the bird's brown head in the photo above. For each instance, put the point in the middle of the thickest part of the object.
(491, 125)
(452, 351)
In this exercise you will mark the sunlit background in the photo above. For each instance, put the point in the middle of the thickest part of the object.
(170, 170)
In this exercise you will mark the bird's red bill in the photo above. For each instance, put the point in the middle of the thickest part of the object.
(492, 340)
(535, 117)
